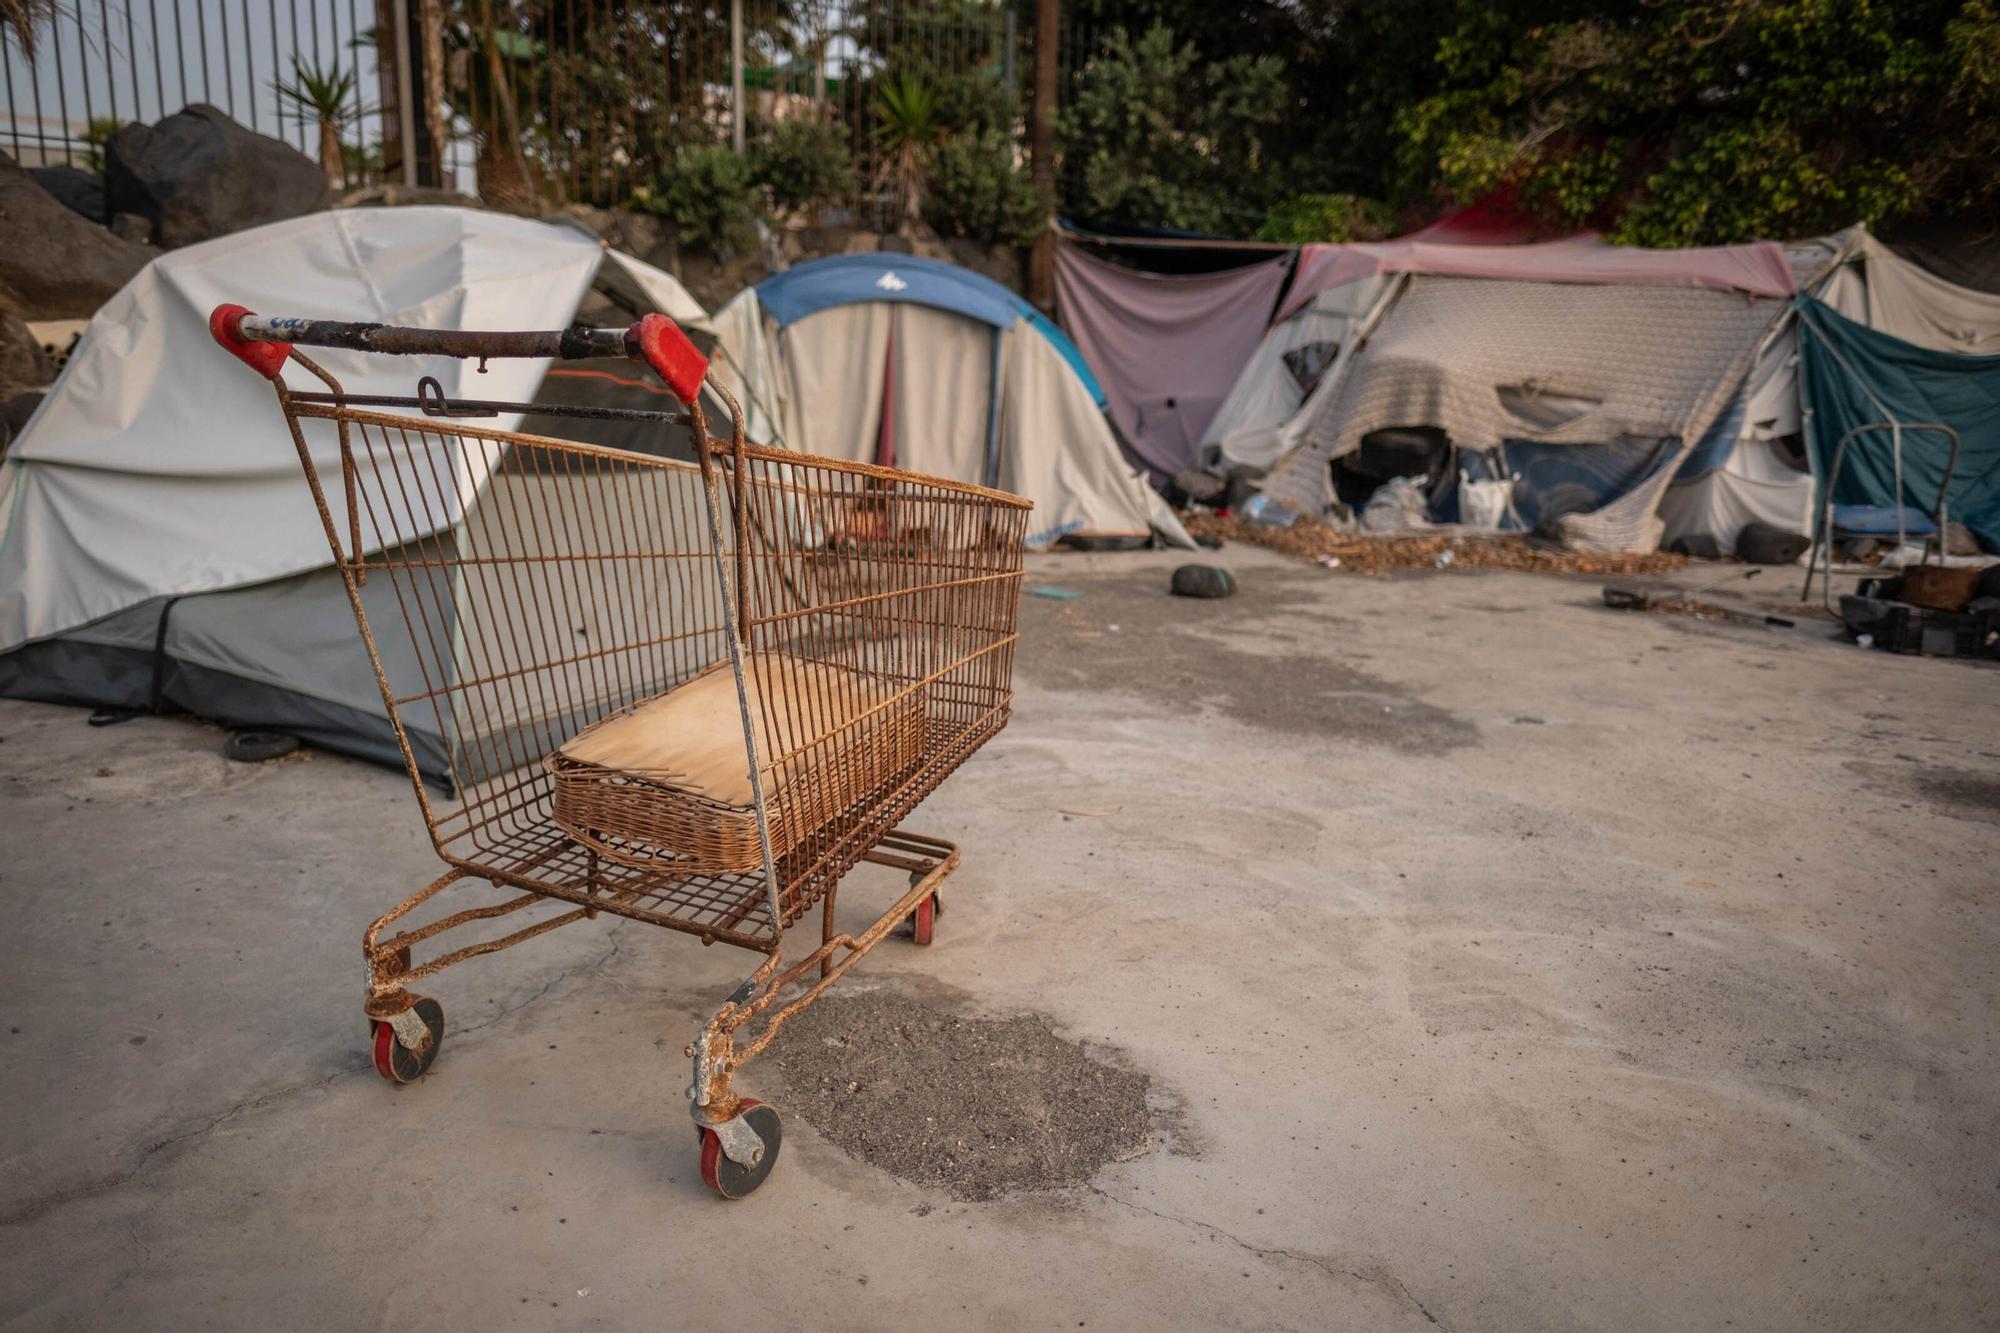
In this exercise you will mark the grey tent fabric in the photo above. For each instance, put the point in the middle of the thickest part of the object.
(1553, 363)
(280, 656)
(1166, 349)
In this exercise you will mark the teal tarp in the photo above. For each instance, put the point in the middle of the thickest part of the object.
(1851, 375)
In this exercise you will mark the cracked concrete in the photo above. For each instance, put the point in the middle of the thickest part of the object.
(1383, 1280)
(1618, 972)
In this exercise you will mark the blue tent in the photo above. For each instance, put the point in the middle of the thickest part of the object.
(877, 276)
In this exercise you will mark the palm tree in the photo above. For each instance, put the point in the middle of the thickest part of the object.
(907, 127)
(22, 16)
(323, 94)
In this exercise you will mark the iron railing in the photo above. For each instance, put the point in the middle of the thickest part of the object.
(571, 100)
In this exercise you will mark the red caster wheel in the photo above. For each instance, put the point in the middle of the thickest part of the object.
(727, 1176)
(397, 1062)
(923, 925)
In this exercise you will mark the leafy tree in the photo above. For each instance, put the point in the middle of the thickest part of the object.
(1716, 120)
(1157, 135)
(1327, 217)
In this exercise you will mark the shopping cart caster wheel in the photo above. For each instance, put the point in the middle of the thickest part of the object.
(923, 925)
(397, 1062)
(727, 1176)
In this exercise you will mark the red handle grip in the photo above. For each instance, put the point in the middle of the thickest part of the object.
(225, 325)
(663, 346)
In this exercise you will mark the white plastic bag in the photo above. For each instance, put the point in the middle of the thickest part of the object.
(1482, 504)
(1397, 506)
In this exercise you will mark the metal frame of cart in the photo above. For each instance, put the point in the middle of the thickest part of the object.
(546, 587)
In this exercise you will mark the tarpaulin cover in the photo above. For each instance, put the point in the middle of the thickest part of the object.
(1167, 349)
(1765, 479)
(1757, 269)
(1877, 287)
(1549, 362)
(160, 465)
(1852, 375)
(1962, 251)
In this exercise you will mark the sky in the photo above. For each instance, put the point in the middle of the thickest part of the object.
(143, 59)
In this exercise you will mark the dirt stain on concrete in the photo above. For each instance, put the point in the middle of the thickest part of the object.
(976, 1106)
(1970, 795)
(1956, 792)
(1258, 658)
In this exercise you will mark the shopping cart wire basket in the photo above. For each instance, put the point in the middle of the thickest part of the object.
(693, 693)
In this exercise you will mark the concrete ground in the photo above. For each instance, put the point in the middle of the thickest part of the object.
(1497, 961)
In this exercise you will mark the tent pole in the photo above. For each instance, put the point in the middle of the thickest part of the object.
(993, 415)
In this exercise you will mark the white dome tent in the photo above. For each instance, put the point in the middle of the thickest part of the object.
(159, 547)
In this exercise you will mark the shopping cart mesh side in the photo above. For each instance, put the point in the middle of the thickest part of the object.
(539, 586)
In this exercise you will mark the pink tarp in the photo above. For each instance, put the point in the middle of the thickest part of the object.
(1166, 348)
(1757, 269)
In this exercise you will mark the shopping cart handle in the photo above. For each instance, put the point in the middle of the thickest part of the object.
(265, 342)
(659, 342)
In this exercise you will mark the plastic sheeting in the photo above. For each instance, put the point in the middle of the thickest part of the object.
(1541, 362)
(1757, 269)
(1268, 393)
(1889, 294)
(1166, 349)
(1852, 375)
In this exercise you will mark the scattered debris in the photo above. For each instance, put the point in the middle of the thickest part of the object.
(1309, 539)
(1687, 602)
(1055, 593)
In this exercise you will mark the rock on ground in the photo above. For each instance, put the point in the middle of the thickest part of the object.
(197, 175)
(55, 264)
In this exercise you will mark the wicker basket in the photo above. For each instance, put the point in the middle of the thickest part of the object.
(635, 818)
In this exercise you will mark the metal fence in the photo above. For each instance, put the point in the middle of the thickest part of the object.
(565, 99)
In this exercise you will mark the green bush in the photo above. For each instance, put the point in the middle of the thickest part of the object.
(1305, 218)
(1158, 135)
(709, 195)
(977, 190)
(805, 164)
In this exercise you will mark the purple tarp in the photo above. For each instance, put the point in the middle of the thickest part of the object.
(1756, 269)
(1167, 349)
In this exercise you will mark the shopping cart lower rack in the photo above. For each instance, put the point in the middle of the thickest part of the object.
(689, 691)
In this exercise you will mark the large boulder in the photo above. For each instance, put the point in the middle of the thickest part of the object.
(198, 175)
(53, 263)
(23, 363)
(77, 190)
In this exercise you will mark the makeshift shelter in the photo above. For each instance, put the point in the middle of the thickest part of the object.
(1166, 347)
(1578, 374)
(1853, 376)
(894, 359)
(1760, 470)
(159, 547)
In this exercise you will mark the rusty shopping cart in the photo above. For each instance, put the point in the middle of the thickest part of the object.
(689, 691)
